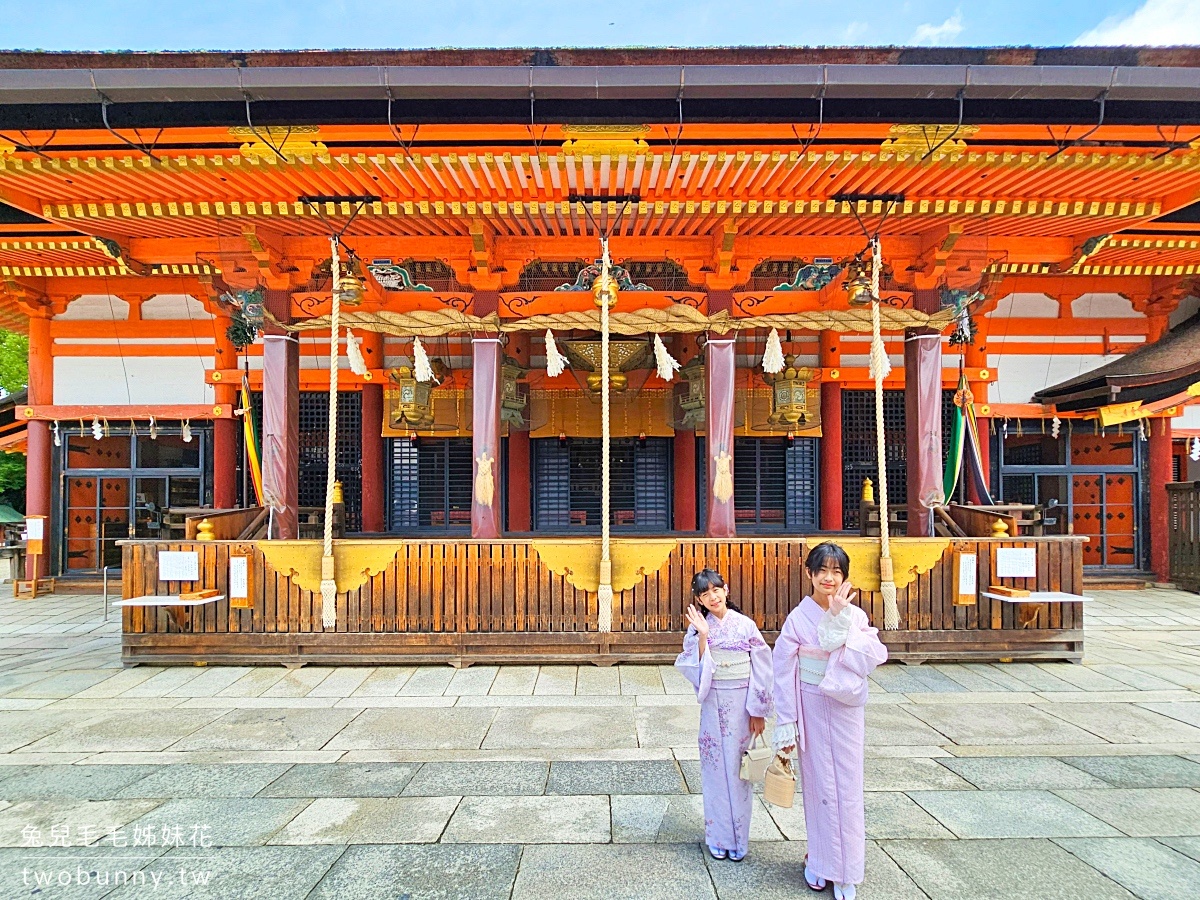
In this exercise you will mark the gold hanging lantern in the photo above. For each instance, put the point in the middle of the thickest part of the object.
(691, 394)
(858, 284)
(514, 396)
(623, 356)
(410, 402)
(789, 394)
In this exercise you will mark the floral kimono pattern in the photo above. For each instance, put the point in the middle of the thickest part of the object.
(725, 710)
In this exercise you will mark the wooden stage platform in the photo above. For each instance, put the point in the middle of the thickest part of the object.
(465, 601)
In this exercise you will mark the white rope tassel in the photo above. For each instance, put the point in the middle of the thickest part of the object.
(880, 366)
(773, 357)
(328, 570)
(354, 356)
(556, 363)
(665, 364)
(604, 592)
(422, 370)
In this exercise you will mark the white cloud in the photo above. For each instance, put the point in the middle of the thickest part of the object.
(1155, 22)
(934, 35)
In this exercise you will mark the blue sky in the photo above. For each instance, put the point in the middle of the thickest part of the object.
(328, 24)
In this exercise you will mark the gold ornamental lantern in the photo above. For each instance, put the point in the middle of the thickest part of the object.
(411, 400)
(789, 394)
(623, 356)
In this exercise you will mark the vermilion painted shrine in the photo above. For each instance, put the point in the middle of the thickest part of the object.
(807, 269)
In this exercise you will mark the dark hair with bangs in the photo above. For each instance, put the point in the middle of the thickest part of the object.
(709, 578)
(827, 554)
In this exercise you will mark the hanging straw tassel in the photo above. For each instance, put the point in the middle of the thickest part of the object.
(556, 363)
(773, 357)
(328, 569)
(665, 364)
(354, 356)
(880, 366)
(422, 370)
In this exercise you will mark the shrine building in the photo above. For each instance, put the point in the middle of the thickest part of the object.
(1014, 221)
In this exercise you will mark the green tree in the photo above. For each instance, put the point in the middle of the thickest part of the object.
(14, 376)
(14, 361)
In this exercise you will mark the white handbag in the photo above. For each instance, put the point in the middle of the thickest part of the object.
(755, 760)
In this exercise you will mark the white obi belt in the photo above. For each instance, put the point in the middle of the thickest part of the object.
(730, 665)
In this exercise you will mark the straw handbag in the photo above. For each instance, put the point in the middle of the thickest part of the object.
(755, 760)
(779, 785)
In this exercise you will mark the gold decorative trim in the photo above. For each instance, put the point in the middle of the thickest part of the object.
(355, 561)
(927, 138)
(578, 560)
(910, 557)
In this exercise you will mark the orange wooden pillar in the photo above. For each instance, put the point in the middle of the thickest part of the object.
(225, 442)
(520, 517)
(371, 447)
(831, 433)
(975, 364)
(39, 454)
(281, 418)
(485, 437)
(1159, 452)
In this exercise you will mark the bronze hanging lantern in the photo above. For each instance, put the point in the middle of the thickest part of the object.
(858, 284)
(691, 394)
(789, 394)
(623, 356)
(410, 402)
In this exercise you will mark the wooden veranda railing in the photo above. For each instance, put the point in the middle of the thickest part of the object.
(1183, 504)
(464, 601)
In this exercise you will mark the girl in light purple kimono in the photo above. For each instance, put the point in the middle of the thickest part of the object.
(728, 662)
(822, 659)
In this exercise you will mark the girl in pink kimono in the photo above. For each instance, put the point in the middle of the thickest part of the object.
(822, 659)
(729, 664)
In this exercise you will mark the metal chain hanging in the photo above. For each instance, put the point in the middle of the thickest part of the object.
(328, 571)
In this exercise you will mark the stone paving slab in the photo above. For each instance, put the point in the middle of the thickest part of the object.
(369, 820)
(664, 818)
(998, 723)
(239, 822)
(1138, 771)
(604, 872)
(892, 814)
(479, 778)
(38, 873)
(69, 782)
(255, 729)
(85, 821)
(199, 780)
(552, 727)
(248, 873)
(1145, 867)
(1124, 723)
(340, 780)
(433, 872)
(1006, 773)
(989, 869)
(1011, 814)
(602, 777)
(433, 729)
(530, 820)
(1142, 812)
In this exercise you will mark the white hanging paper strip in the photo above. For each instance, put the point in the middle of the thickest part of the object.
(97, 429)
(772, 361)
(556, 363)
(1055, 427)
(1195, 449)
(665, 364)
(422, 370)
(354, 356)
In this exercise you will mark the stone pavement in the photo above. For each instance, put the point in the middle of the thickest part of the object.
(1017, 780)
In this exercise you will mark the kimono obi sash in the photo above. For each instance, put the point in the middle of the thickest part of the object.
(730, 665)
(812, 665)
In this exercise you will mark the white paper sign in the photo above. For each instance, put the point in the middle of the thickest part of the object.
(34, 530)
(967, 583)
(176, 565)
(239, 577)
(1016, 562)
